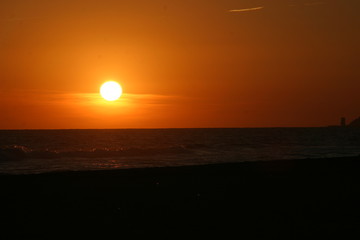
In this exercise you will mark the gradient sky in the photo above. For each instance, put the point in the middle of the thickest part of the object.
(181, 63)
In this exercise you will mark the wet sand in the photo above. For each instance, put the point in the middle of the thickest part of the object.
(294, 199)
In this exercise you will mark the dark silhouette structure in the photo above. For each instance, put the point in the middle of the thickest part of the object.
(343, 122)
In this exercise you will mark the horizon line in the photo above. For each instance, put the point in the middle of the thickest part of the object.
(155, 128)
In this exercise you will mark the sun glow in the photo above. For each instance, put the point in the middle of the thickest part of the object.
(110, 90)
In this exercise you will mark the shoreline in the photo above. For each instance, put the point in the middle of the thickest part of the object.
(268, 199)
(261, 164)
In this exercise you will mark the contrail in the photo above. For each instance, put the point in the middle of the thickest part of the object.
(246, 9)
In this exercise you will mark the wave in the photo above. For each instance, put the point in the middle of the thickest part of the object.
(16, 152)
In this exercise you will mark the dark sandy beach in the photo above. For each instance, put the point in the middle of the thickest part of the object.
(294, 199)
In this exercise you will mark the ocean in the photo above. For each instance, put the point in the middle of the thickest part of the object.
(40, 151)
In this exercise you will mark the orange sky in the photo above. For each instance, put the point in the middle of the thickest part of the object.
(181, 63)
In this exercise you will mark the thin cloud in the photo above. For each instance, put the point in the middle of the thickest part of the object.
(245, 9)
(45, 97)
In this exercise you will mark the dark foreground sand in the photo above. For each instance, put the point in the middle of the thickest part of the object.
(292, 199)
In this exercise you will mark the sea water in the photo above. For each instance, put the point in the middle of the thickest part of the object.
(38, 151)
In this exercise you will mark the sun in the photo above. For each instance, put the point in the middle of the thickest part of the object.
(110, 90)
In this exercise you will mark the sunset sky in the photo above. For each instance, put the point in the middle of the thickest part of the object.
(181, 63)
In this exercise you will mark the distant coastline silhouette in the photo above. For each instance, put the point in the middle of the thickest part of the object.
(355, 123)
